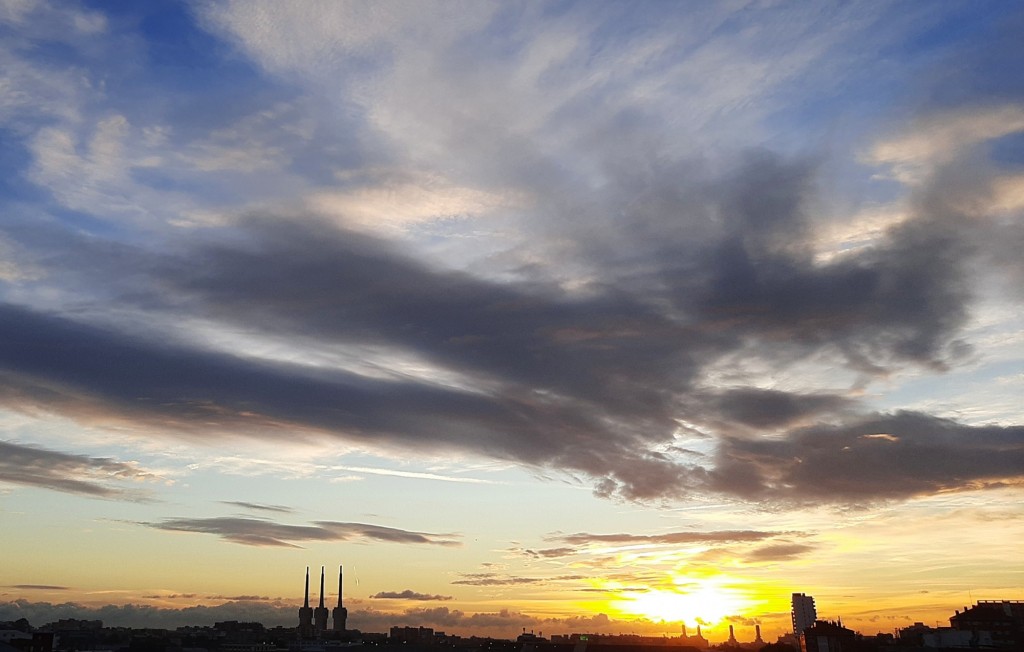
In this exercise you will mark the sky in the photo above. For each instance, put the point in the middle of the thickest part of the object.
(557, 316)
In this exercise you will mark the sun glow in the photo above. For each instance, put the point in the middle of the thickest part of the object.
(694, 602)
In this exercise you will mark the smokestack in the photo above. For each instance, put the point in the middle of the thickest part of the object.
(322, 587)
(340, 613)
(306, 603)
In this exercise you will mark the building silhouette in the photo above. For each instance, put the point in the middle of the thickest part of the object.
(320, 613)
(313, 623)
(696, 640)
(306, 614)
(340, 613)
(827, 636)
(804, 613)
(999, 622)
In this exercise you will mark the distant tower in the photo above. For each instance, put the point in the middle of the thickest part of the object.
(684, 630)
(320, 613)
(306, 614)
(340, 612)
(732, 638)
(804, 613)
(757, 639)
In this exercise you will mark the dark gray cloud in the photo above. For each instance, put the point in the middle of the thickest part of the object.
(409, 594)
(278, 509)
(549, 553)
(779, 552)
(721, 536)
(490, 579)
(880, 457)
(243, 598)
(493, 579)
(96, 477)
(260, 532)
(95, 373)
(594, 381)
(768, 409)
(390, 534)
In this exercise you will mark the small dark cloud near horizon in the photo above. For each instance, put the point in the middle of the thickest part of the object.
(278, 509)
(778, 552)
(615, 591)
(720, 536)
(409, 594)
(547, 553)
(493, 579)
(262, 532)
(244, 598)
(39, 587)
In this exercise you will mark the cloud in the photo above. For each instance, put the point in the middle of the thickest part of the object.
(243, 598)
(627, 276)
(394, 535)
(938, 139)
(593, 383)
(766, 409)
(503, 622)
(550, 553)
(779, 552)
(39, 587)
(146, 616)
(259, 532)
(491, 579)
(670, 538)
(95, 477)
(886, 456)
(279, 509)
(409, 474)
(408, 594)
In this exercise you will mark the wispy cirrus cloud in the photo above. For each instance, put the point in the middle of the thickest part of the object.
(416, 475)
(261, 532)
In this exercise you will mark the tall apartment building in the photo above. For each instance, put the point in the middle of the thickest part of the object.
(804, 613)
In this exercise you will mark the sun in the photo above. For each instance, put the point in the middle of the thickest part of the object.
(706, 601)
